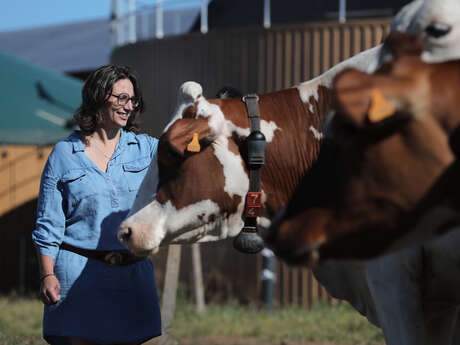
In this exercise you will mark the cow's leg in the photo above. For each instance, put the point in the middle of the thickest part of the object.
(441, 328)
(394, 283)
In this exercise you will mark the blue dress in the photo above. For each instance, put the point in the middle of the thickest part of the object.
(83, 206)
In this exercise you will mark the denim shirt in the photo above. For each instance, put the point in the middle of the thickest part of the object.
(82, 205)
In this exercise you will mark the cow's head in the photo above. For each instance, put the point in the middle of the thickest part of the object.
(436, 23)
(386, 149)
(201, 189)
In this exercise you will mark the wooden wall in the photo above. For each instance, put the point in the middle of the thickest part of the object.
(20, 171)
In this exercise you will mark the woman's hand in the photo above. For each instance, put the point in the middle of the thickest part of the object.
(49, 290)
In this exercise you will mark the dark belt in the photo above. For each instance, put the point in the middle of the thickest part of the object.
(110, 257)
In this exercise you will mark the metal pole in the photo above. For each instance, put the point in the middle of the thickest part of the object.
(145, 22)
(268, 278)
(132, 21)
(114, 23)
(204, 16)
(159, 19)
(198, 278)
(267, 14)
(342, 11)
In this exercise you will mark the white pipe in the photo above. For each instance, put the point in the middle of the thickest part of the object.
(145, 22)
(204, 16)
(159, 19)
(267, 14)
(115, 23)
(132, 21)
(342, 11)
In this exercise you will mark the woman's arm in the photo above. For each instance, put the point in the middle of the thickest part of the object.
(48, 233)
(49, 287)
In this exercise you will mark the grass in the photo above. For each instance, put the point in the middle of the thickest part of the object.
(340, 324)
(20, 323)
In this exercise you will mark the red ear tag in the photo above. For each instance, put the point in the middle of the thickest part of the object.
(253, 204)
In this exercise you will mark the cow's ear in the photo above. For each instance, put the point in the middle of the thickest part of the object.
(187, 133)
(358, 100)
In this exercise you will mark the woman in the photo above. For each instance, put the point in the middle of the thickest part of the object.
(94, 291)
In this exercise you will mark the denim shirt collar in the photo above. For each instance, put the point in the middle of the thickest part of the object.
(126, 138)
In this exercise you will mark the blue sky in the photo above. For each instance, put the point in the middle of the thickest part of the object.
(26, 14)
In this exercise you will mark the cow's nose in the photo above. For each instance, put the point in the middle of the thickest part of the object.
(124, 235)
(437, 29)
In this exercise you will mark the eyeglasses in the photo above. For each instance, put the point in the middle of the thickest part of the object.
(123, 99)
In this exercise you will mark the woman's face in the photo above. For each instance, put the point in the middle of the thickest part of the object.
(116, 115)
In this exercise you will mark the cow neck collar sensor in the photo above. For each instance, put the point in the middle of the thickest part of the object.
(248, 240)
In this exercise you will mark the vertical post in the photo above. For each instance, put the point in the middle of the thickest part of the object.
(131, 21)
(115, 23)
(342, 11)
(204, 16)
(268, 278)
(159, 19)
(22, 265)
(267, 14)
(145, 22)
(168, 304)
(198, 278)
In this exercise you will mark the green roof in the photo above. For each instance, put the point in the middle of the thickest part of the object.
(35, 103)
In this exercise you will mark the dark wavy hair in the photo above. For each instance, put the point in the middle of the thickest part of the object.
(95, 93)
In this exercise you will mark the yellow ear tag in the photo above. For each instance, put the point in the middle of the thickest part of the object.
(380, 108)
(194, 145)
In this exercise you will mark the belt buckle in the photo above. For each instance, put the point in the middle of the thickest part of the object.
(113, 258)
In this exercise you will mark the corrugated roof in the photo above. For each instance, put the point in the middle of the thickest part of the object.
(35, 103)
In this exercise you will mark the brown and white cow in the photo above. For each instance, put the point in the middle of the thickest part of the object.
(378, 180)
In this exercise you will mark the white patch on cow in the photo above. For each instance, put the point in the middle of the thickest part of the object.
(236, 179)
(268, 129)
(311, 107)
(264, 222)
(317, 134)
